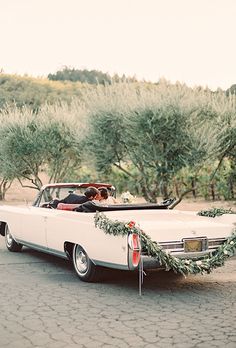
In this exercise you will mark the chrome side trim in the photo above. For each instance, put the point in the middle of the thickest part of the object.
(43, 249)
(64, 255)
(110, 265)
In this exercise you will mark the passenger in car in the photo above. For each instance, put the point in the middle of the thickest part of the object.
(105, 197)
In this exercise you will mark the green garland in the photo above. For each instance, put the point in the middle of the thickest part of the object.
(184, 266)
(213, 212)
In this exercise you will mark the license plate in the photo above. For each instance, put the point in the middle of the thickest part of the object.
(193, 245)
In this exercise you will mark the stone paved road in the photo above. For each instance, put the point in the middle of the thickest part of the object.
(43, 304)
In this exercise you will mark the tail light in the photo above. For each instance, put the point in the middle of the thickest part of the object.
(134, 253)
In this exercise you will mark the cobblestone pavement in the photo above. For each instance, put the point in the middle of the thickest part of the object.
(43, 304)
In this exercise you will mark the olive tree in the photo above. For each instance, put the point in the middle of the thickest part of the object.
(225, 142)
(32, 143)
(5, 179)
(154, 128)
(63, 134)
(215, 133)
(22, 148)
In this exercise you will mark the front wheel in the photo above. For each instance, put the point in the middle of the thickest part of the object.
(84, 267)
(11, 244)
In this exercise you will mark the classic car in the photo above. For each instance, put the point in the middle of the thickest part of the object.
(73, 235)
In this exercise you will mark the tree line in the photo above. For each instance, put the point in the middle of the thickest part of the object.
(153, 139)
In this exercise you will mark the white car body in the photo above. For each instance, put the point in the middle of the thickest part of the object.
(53, 230)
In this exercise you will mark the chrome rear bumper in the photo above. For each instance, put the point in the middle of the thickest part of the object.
(176, 249)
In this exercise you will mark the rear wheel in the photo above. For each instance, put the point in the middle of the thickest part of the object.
(84, 267)
(11, 244)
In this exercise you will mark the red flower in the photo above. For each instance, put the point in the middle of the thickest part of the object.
(131, 224)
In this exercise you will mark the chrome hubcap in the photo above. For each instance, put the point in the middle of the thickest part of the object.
(81, 261)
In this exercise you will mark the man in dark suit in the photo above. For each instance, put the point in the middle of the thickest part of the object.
(89, 194)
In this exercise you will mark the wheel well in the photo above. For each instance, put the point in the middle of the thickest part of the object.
(2, 228)
(68, 247)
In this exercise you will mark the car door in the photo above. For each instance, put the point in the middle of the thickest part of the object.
(33, 226)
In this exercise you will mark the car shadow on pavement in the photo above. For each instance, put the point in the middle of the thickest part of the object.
(155, 280)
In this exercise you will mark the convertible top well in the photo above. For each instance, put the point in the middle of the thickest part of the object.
(91, 207)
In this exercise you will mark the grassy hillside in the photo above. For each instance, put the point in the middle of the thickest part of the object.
(33, 92)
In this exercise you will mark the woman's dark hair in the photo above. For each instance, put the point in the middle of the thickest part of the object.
(103, 192)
